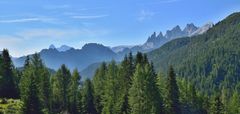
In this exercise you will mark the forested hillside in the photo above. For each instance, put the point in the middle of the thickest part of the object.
(131, 87)
(211, 61)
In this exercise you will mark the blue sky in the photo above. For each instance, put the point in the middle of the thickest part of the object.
(27, 26)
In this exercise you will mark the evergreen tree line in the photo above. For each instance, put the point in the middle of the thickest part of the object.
(130, 87)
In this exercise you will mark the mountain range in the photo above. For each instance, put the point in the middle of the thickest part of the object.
(93, 53)
(61, 49)
(73, 58)
(157, 40)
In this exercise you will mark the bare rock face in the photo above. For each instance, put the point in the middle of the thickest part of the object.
(202, 29)
(189, 29)
(174, 33)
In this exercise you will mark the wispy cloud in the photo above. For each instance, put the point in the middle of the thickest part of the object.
(6, 39)
(168, 1)
(48, 33)
(159, 2)
(25, 20)
(60, 34)
(144, 14)
(53, 7)
(89, 16)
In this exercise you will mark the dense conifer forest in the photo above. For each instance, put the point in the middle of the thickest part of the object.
(131, 87)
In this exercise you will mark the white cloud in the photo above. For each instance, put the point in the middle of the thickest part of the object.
(157, 2)
(25, 20)
(48, 33)
(53, 7)
(7, 39)
(59, 34)
(88, 16)
(145, 15)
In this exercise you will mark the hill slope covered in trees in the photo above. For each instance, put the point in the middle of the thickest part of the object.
(210, 60)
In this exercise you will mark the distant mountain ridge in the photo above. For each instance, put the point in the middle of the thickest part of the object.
(61, 48)
(157, 40)
(73, 58)
(84, 59)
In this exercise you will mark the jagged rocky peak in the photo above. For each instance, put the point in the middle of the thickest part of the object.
(64, 48)
(155, 38)
(208, 25)
(176, 32)
(160, 35)
(154, 41)
(152, 37)
(190, 28)
(52, 46)
(177, 28)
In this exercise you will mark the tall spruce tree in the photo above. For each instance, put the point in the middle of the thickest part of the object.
(34, 65)
(111, 98)
(43, 80)
(139, 58)
(60, 84)
(234, 104)
(125, 78)
(99, 83)
(8, 86)
(27, 62)
(31, 100)
(217, 106)
(73, 92)
(24, 81)
(88, 106)
(173, 93)
(45, 90)
(79, 101)
(144, 97)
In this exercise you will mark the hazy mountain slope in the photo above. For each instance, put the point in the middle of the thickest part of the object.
(120, 48)
(89, 71)
(74, 58)
(212, 58)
